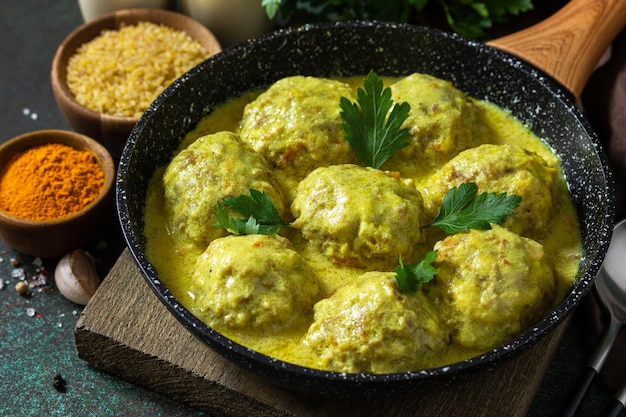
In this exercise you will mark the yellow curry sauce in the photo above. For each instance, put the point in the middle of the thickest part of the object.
(337, 307)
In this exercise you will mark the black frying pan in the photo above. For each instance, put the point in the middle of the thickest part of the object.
(533, 96)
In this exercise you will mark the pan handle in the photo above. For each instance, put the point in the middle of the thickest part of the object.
(569, 44)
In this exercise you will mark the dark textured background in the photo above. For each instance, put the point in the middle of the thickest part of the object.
(33, 349)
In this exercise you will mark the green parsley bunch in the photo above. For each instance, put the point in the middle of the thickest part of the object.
(469, 18)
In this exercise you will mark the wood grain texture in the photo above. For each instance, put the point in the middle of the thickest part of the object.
(126, 331)
(569, 44)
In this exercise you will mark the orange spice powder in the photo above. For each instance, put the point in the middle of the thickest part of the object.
(50, 181)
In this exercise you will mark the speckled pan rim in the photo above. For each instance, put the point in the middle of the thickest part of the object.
(325, 382)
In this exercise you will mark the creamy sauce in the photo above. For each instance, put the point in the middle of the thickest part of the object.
(175, 260)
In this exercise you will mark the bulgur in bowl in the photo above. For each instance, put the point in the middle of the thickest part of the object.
(107, 71)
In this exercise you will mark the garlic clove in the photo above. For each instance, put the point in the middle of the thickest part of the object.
(76, 277)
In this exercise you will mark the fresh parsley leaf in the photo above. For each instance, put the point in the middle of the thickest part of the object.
(471, 18)
(418, 4)
(410, 278)
(373, 132)
(263, 216)
(462, 209)
(238, 226)
(257, 204)
(271, 7)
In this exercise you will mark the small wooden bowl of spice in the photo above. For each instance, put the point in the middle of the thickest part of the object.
(55, 192)
(108, 71)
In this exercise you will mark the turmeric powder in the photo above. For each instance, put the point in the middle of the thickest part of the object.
(50, 181)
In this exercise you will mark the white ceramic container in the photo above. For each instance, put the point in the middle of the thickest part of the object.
(92, 9)
(232, 21)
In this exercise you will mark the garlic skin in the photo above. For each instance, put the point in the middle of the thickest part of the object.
(76, 277)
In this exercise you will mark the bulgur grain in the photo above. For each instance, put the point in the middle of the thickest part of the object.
(120, 72)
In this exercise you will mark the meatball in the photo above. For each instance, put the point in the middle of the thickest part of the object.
(253, 283)
(212, 168)
(296, 125)
(504, 169)
(443, 121)
(359, 216)
(369, 326)
(496, 284)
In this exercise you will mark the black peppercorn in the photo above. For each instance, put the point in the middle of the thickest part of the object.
(58, 383)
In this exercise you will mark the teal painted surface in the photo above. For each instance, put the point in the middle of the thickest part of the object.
(33, 349)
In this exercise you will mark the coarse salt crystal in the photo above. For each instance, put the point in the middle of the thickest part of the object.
(18, 273)
(30, 312)
(38, 280)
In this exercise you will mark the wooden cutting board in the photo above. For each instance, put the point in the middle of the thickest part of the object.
(126, 331)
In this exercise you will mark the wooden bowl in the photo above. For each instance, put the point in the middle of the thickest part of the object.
(56, 237)
(113, 131)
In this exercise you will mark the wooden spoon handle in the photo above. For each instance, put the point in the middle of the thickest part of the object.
(569, 44)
